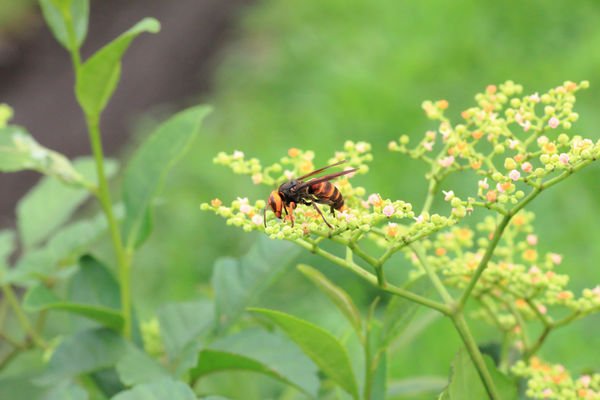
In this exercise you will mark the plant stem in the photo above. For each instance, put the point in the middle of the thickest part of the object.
(11, 297)
(471, 346)
(372, 279)
(431, 191)
(433, 277)
(103, 195)
(484, 261)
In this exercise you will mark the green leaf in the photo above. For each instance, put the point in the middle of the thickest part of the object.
(161, 390)
(137, 367)
(239, 283)
(378, 356)
(67, 391)
(417, 386)
(261, 352)
(68, 21)
(400, 312)
(321, 346)
(64, 248)
(181, 323)
(97, 78)
(340, 298)
(149, 166)
(20, 151)
(84, 352)
(465, 382)
(39, 298)
(50, 203)
(94, 284)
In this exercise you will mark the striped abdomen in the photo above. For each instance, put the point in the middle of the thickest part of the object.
(327, 193)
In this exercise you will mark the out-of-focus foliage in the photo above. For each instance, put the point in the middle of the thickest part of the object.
(317, 73)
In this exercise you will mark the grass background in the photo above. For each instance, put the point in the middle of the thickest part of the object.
(311, 74)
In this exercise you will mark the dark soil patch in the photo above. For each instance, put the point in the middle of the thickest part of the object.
(173, 67)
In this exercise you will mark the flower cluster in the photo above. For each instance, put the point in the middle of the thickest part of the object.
(516, 146)
(512, 141)
(547, 381)
(518, 283)
(388, 220)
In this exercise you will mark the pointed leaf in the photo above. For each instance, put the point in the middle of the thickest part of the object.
(137, 367)
(337, 295)
(39, 298)
(465, 382)
(378, 354)
(94, 284)
(68, 391)
(149, 166)
(50, 203)
(400, 312)
(20, 151)
(321, 346)
(180, 323)
(97, 78)
(417, 386)
(84, 352)
(239, 282)
(261, 352)
(161, 390)
(68, 21)
(64, 248)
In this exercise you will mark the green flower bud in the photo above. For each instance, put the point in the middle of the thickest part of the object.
(510, 163)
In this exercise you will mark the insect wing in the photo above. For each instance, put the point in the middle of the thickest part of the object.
(325, 178)
(316, 171)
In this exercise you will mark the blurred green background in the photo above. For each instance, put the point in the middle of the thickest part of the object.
(311, 74)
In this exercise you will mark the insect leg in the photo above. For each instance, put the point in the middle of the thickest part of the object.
(322, 216)
(289, 211)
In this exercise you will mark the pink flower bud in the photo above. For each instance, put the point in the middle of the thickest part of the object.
(449, 195)
(585, 380)
(532, 239)
(555, 258)
(542, 309)
(483, 184)
(375, 199)
(257, 219)
(514, 175)
(527, 167)
(553, 122)
(446, 161)
(564, 158)
(388, 210)
(245, 208)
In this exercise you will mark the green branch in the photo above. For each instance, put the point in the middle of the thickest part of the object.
(476, 356)
(103, 196)
(372, 279)
(11, 297)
